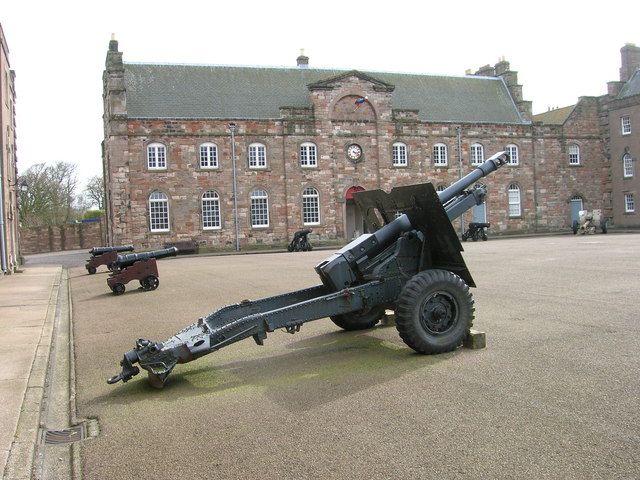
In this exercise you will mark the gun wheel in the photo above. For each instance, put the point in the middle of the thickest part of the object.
(118, 289)
(434, 312)
(361, 320)
(91, 270)
(150, 283)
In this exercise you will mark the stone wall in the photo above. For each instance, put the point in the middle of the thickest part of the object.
(65, 237)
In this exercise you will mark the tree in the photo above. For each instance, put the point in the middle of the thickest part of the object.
(94, 191)
(48, 201)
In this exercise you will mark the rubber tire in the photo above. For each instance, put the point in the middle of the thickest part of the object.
(423, 288)
(362, 320)
(91, 270)
(118, 289)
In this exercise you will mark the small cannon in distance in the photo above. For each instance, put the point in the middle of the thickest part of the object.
(137, 266)
(300, 242)
(411, 264)
(589, 221)
(105, 256)
(476, 231)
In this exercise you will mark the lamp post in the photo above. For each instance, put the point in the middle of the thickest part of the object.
(232, 129)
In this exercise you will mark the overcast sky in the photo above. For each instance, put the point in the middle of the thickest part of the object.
(561, 50)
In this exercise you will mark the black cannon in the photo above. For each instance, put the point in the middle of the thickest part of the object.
(476, 231)
(137, 266)
(412, 263)
(105, 256)
(300, 242)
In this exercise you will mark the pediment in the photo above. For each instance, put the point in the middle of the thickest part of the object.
(332, 82)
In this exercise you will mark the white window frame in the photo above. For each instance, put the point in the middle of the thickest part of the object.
(257, 156)
(159, 212)
(627, 165)
(399, 154)
(629, 203)
(573, 151)
(308, 155)
(440, 155)
(477, 154)
(625, 125)
(208, 156)
(259, 208)
(515, 201)
(310, 206)
(441, 188)
(514, 157)
(156, 156)
(210, 208)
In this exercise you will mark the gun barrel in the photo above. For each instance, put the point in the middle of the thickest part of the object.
(131, 258)
(490, 165)
(116, 248)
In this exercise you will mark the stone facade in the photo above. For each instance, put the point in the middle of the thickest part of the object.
(73, 236)
(333, 121)
(9, 238)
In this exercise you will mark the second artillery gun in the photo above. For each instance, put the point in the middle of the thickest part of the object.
(137, 266)
(411, 264)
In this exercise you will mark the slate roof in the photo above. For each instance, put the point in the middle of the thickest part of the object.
(554, 117)
(227, 92)
(632, 87)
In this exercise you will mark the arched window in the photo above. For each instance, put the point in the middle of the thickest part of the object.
(310, 206)
(259, 209)
(158, 212)
(399, 154)
(477, 154)
(208, 155)
(156, 156)
(440, 154)
(627, 162)
(211, 210)
(308, 155)
(514, 201)
(574, 154)
(512, 150)
(257, 156)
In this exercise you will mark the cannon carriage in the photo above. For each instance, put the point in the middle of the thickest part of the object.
(137, 266)
(105, 256)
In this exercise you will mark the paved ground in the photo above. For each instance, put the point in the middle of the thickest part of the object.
(555, 394)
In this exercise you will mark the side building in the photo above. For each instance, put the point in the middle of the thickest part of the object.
(9, 238)
(219, 154)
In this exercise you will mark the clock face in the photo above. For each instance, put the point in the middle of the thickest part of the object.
(354, 152)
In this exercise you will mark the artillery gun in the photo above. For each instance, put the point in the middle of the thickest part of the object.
(589, 221)
(105, 256)
(137, 266)
(411, 264)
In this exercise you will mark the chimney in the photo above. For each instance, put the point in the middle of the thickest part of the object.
(302, 60)
(486, 71)
(114, 57)
(630, 61)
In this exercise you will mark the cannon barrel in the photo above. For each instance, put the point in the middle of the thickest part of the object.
(131, 258)
(117, 248)
(490, 165)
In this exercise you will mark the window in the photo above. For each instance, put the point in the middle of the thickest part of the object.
(156, 156)
(628, 165)
(259, 209)
(629, 205)
(574, 154)
(514, 200)
(477, 154)
(439, 154)
(211, 210)
(208, 155)
(257, 156)
(158, 212)
(399, 154)
(308, 155)
(310, 206)
(512, 150)
(626, 125)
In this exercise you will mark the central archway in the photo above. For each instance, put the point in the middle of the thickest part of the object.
(354, 225)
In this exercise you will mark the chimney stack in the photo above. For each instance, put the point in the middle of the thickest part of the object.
(302, 60)
(630, 61)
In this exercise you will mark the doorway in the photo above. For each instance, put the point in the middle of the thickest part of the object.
(576, 206)
(480, 213)
(354, 225)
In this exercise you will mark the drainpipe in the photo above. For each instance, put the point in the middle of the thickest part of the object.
(3, 247)
(459, 135)
(232, 129)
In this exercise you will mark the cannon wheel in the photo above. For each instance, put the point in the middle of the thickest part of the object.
(574, 227)
(91, 270)
(484, 235)
(150, 283)
(434, 312)
(362, 320)
(118, 289)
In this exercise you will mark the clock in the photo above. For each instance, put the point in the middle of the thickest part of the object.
(354, 152)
